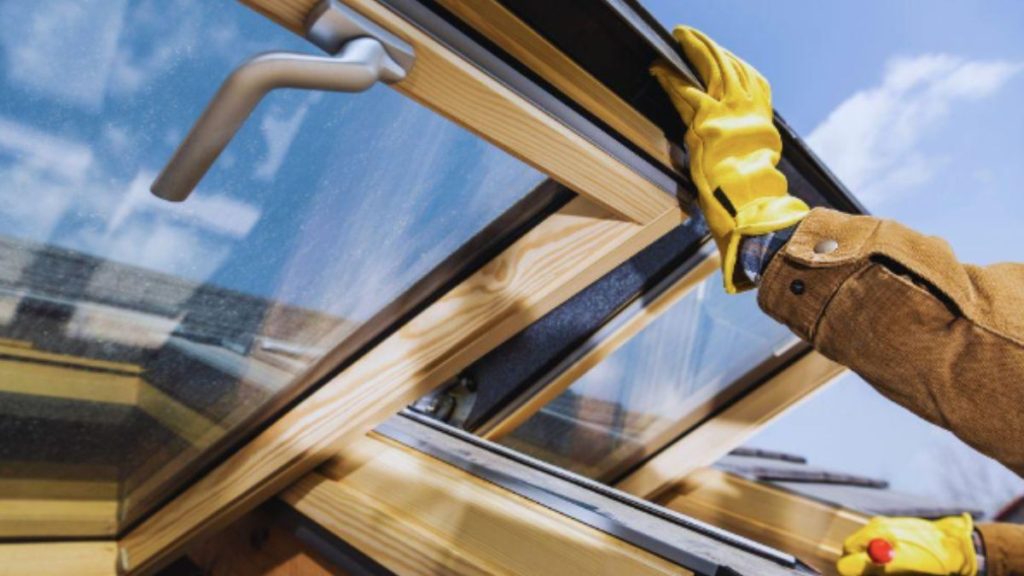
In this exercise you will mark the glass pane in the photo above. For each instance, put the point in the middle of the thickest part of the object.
(622, 408)
(136, 333)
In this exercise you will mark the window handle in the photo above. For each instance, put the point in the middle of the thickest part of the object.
(365, 55)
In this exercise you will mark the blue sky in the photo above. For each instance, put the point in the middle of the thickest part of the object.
(916, 106)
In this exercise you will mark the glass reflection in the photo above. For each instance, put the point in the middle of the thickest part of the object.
(627, 406)
(135, 333)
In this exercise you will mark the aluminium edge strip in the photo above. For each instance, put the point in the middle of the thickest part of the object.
(484, 459)
(651, 35)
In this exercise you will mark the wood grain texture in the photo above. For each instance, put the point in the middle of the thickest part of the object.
(561, 255)
(31, 372)
(458, 90)
(62, 517)
(811, 530)
(416, 515)
(21, 351)
(603, 349)
(288, 13)
(97, 558)
(515, 37)
(57, 499)
(733, 426)
(256, 545)
(57, 488)
(69, 383)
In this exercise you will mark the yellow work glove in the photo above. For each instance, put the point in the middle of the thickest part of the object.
(734, 147)
(943, 547)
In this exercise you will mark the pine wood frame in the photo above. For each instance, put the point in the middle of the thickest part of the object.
(93, 558)
(618, 214)
(814, 531)
(560, 256)
(514, 36)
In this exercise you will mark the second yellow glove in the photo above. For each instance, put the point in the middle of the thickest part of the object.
(734, 148)
(943, 547)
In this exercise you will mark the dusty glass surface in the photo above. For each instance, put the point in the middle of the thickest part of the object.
(623, 407)
(135, 333)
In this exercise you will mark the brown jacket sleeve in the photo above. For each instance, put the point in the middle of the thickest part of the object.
(941, 338)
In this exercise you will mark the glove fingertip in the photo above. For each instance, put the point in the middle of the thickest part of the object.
(853, 564)
(660, 70)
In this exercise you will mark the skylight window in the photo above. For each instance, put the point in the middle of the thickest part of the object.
(137, 335)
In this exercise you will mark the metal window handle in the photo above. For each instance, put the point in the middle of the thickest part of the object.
(372, 56)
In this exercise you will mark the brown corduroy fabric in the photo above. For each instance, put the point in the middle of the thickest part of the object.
(1004, 549)
(941, 338)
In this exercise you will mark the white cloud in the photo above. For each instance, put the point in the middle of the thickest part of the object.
(63, 49)
(211, 212)
(150, 47)
(161, 245)
(76, 201)
(81, 51)
(872, 139)
(64, 158)
(189, 239)
(279, 129)
(38, 169)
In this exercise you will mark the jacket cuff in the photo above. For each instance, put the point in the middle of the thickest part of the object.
(1004, 548)
(827, 248)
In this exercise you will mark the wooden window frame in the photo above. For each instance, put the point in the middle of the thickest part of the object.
(619, 212)
(812, 530)
(85, 558)
(708, 429)
(558, 257)
(446, 521)
(561, 255)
